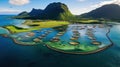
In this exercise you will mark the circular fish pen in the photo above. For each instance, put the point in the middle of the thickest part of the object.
(76, 39)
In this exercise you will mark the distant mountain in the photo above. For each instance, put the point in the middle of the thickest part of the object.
(54, 11)
(36, 12)
(24, 15)
(110, 11)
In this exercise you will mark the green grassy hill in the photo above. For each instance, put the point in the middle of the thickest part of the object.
(54, 11)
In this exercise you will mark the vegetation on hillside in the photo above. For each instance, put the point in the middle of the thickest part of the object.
(54, 11)
(109, 12)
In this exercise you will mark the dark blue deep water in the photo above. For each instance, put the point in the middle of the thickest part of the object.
(15, 55)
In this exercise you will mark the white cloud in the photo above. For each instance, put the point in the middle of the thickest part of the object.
(7, 10)
(81, 0)
(77, 11)
(106, 2)
(19, 2)
(94, 6)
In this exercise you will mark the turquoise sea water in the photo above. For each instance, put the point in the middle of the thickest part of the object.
(15, 55)
(7, 20)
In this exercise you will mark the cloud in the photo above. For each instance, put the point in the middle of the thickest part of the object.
(7, 10)
(106, 2)
(94, 6)
(80, 0)
(19, 2)
(77, 11)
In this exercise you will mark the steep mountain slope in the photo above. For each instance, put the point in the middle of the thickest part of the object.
(110, 11)
(54, 11)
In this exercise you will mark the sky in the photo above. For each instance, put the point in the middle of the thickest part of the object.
(76, 7)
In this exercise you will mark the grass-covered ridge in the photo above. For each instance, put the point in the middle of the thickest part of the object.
(36, 25)
(71, 48)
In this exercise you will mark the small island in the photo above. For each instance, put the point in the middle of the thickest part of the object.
(35, 25)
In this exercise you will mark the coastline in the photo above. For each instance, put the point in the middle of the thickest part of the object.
(82, 53)
(35, 26)
(15, 41)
